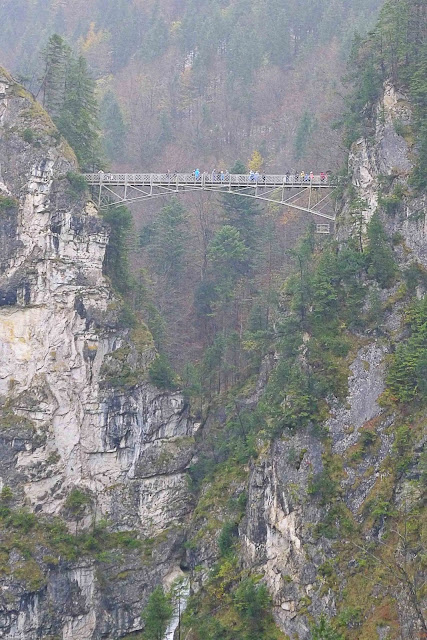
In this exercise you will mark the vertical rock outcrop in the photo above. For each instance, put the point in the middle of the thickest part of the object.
(283, 532)
(69, 417)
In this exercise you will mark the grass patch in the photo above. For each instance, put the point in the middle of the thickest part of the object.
(8, 204)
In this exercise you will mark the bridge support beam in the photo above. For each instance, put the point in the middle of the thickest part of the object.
(313, 196)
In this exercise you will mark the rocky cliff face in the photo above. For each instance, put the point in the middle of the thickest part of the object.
(67, 418)
(383, 162)
(283, 530)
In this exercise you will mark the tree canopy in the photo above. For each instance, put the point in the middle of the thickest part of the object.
(157, 614)
(68, 93)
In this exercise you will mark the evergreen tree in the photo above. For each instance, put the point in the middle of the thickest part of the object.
(129, 26)
(156, 37)
(157, 614)
(324, 631)
(379, 255)
(229, 259)
(238, 167)
(56, 57)
(253, 601)
(418, 86)
(241, 212)
(244, 53)
(78, 117)
(144, 302)
(299, 284)
(407, 375)
(161, 373)
(69, 97)
(275, 22)
(304, 131)
(116, 263)
(113, 126)
(168, 245)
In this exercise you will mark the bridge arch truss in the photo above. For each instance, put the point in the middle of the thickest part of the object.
(313, 196)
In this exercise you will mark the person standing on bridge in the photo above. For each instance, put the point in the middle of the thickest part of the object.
(214, 176)
(311, 176)
(222, 176)
(197, 174)
(302, 176)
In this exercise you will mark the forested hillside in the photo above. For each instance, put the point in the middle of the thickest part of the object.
(206, 81)
(335, 443)
(197, 83)
(396, 52)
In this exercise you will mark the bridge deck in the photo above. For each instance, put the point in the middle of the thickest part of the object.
(176, 180)
(310, 195)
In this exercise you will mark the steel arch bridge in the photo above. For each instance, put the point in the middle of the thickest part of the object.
(312, 195)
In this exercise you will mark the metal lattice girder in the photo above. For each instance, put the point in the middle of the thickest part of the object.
(323, 228)
(117, 188)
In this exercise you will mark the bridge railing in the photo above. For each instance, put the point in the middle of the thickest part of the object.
(173, 179)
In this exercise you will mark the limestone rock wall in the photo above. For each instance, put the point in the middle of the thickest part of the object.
(279, 531)
(386, 159)
(65, 422)
(279, 534)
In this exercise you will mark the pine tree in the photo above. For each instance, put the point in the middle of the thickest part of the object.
(168, 247)
(56, 57)
(157, 614)
(228, 257)
(156, 37)
(379, 255)
(274, 21)
(161, 373)
(78, 118)
(114, 129)
(116, 263)
(240, 212)
(238, 167)
(253, 602)
(69, 97)
(304, 131)
(407, 375)
(228, 253)
(324, 631)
